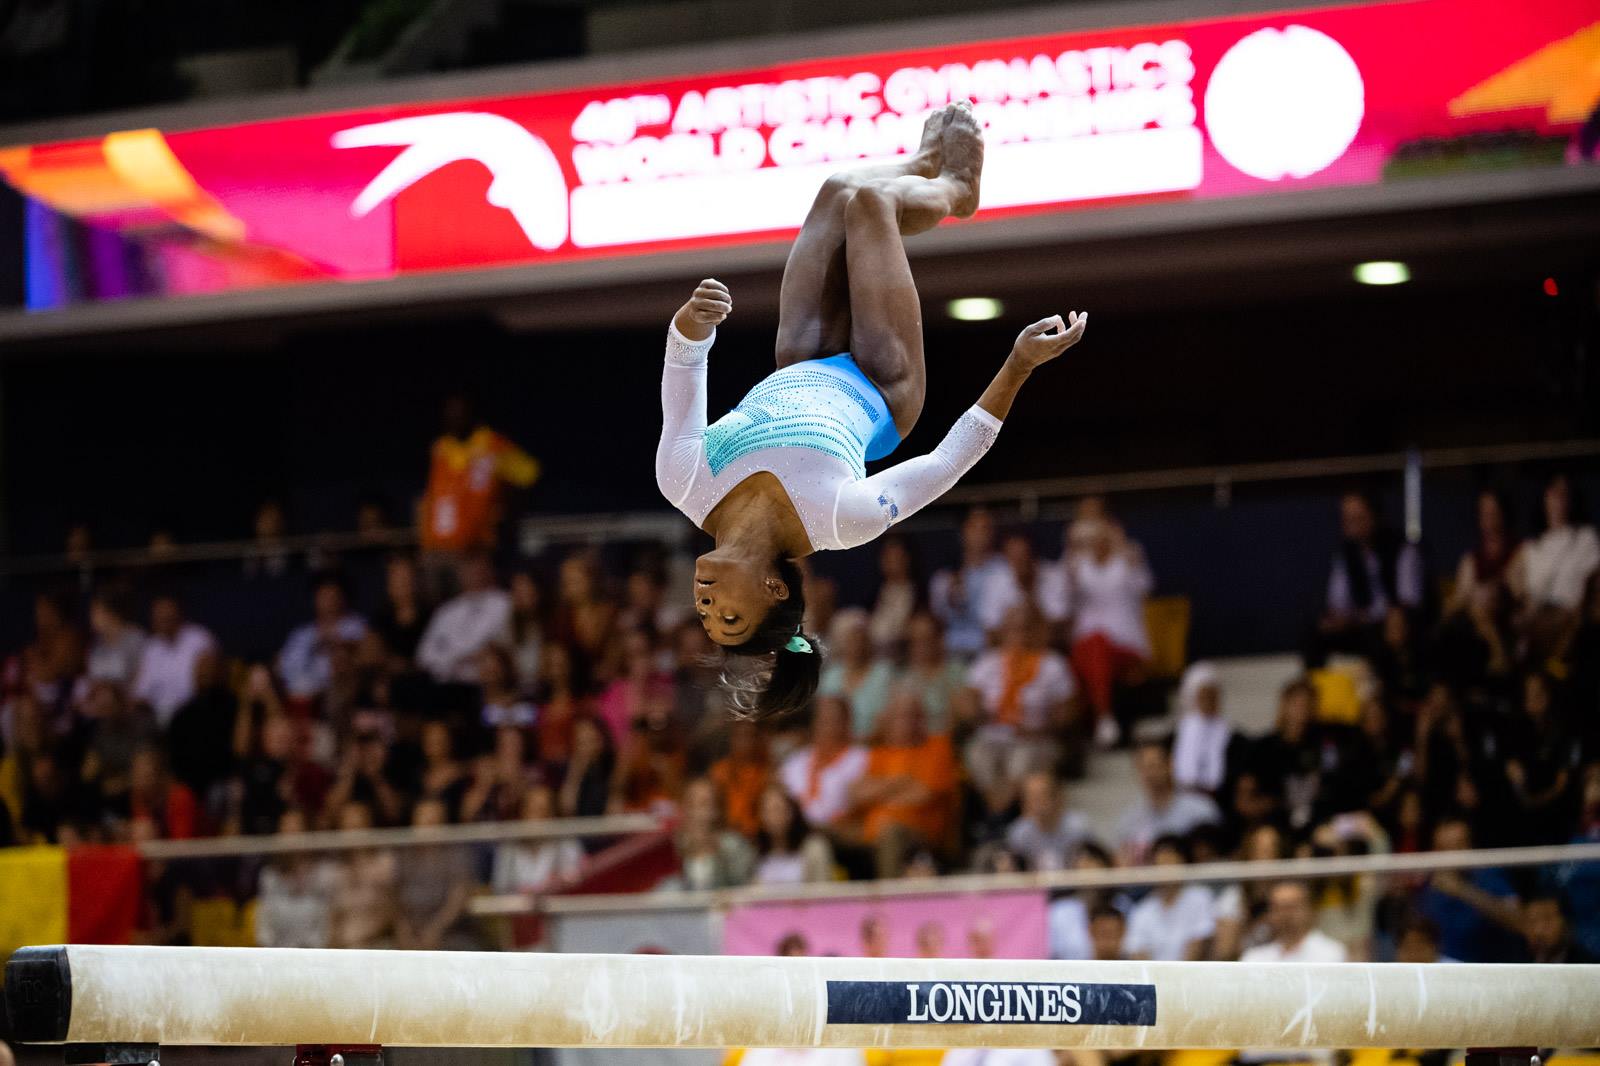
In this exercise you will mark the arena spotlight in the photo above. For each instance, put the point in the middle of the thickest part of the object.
(975, 309)
(1382, 272)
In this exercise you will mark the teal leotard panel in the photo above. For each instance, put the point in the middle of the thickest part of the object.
(826, 405)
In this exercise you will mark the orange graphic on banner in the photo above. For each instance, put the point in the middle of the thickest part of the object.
(1562, 77)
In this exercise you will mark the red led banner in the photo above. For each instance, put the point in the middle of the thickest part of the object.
(1218, 108)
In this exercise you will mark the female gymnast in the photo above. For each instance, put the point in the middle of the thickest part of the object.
(783, 474)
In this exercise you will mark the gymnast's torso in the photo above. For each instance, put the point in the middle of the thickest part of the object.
(814, 426)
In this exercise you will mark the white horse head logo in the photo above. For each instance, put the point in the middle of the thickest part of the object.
(528, 180)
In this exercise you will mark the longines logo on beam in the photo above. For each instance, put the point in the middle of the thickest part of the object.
(982, 1002)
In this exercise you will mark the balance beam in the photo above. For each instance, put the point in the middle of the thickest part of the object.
(286, 996)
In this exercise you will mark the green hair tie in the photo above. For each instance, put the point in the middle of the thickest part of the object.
(800, 644)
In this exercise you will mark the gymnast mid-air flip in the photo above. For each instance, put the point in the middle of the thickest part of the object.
(783, 474)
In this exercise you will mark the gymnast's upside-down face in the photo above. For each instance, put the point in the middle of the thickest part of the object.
(734, 596)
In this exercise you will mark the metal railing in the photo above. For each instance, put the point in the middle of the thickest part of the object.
(401, 837)
(1053, 881)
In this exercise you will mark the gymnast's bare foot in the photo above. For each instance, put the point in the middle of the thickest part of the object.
(961, 145)
(929, 156)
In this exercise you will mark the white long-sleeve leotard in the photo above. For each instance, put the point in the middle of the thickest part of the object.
(838, 504)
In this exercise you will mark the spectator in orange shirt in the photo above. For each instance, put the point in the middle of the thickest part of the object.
(168, 806)
(470, 465)
(742, 775)
(907, 797)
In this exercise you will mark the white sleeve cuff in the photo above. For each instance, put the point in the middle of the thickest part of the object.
(985, 417)
(681, 351)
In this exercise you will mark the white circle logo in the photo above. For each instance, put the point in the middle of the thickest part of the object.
(1284, 103)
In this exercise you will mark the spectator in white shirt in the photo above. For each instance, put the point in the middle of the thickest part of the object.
(537, 865)
(1070, 917)
(1162, 810)
(1552, 571)
(118, 643)
(1174, 921)
(167, 662)
(1295, 937)
(305, 664)
(1025, 690)
(1025, 577)
(820, 775)
(1048, 834)
(466, 624)
(962, 597)
(1110, 580)
(1108, 930)
(1205, 736)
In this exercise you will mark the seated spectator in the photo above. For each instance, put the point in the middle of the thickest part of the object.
(640, 690)
(1477, 911)
(899, 595)
(500, 779)
(1547, 930)
(1108, 930)
(1418, 941)
(118, 643)
(651, 766)
(166, 665)
(200, 735)
(1552, 572)
(1046, 585)
(585, 616)
(1542, 761)
(906, 798)
(1206, 744)
(562, 700)
(466, 624)
(742, 775)
(1298, 758)
(432, 891)
(929, 669)
(363, 776)
(1110, 580)
(586, 775)
(294, 904)
(155, 798)
(116, 730)
(1373, 570)
(441, 775)
(1294, 937)
(821, 775)
(709, 855)
(1161, 809)
(503, 704)
(534, 866)
(788, 851)
(1475, 640)
(1068, 918)
(56, 655)
(528, 628)
(963, 598)
(1025, 690)
(852, 672)
(402, 619)
(1241, 907)
(1579, 882)
(303, 664)
(1048, 833)
(363, 908)
(1347, 906)
(263, 786)
(1174, 921)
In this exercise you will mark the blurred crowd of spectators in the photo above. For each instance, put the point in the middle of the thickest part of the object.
(955, 708)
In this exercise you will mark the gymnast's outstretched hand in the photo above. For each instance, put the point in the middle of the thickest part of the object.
(710, 304)
(1048, 338)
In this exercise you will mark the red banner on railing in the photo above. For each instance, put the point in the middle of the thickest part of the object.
(1218, 108)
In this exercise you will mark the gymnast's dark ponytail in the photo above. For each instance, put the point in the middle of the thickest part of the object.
(776, 671)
